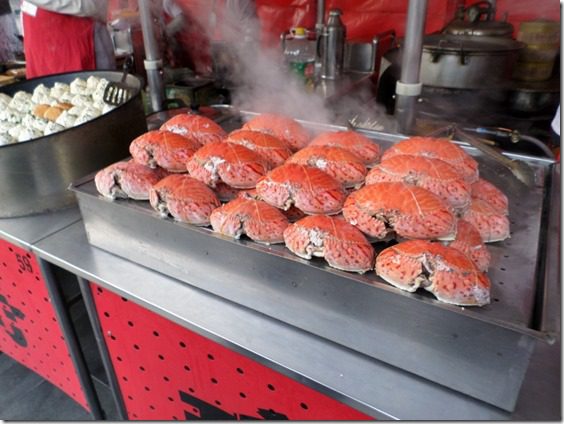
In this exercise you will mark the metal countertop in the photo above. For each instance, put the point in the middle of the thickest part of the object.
(26, 230)
(368, 385)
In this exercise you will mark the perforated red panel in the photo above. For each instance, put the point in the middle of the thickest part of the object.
(29, 329)
(168, 372)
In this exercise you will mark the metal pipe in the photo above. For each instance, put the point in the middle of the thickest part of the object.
(102, 347)
(153, 62)
(320, 17)
(408, 88)
(71, 338)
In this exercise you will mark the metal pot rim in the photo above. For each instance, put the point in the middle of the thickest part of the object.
(447, 43)
(113, 76)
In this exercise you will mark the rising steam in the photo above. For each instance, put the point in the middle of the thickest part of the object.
(262, 82)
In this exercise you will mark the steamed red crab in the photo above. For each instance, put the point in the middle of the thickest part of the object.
(409, 211)
(309, 189)
(258, 220)
(185, 198)
(360, 145)
(164, 149)
(283, 127)
(272, 149)
(444, 271)
(128, 180)
(200, 128)
(434, 175)
(342, 245)
(341, 164)
(437, 148)
(233, 164)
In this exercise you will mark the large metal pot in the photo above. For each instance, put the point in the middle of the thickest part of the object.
(34, 175)
(465, 62)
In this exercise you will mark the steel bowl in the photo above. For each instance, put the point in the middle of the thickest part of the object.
(35, 174)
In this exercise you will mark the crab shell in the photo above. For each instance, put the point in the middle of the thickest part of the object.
(469, 242)
(233, 164)
(437, 148)
(341, 164)
(490, 223)
(343, 246)
(412, 212)
(272, 149)
(282, 127)
(309, 189)
(202, 129)
(127, 180)
(258, 220)
(356, 143)
(485, 190)
(435, 175)
(292, 214)
(185, 198)
(446, 272)
(163, 148)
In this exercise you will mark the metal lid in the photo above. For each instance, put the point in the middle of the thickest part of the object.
(469, 44)
(480, 29)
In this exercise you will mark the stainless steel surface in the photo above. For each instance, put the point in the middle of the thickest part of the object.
(34, 175)
(360, 57)
(24, 231)
(367, 56)
(379, 390)
(153, 61)
(468, 62)
(412, 44)
(411, 64)
(331, 90)
(535, 97)
(332, 45)
(465, 62)
(550, 298)
(520, 169)
(372, 386)
(482, 352)
(320, 17)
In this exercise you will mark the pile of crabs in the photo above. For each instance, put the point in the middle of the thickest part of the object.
(332, 196)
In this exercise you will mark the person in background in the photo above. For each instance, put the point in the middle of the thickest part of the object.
(10, 44)
(66, 36)
(188, 44)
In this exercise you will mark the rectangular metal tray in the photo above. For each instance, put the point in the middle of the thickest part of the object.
(481, 352)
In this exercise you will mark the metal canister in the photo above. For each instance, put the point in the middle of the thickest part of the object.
(333, 46)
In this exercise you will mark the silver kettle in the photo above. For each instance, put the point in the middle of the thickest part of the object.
(332, 46)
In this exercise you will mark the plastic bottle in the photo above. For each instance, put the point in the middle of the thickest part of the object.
(299, 55)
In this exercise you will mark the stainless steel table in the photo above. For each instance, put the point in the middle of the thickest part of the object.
(368, 385)
(26, 230)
